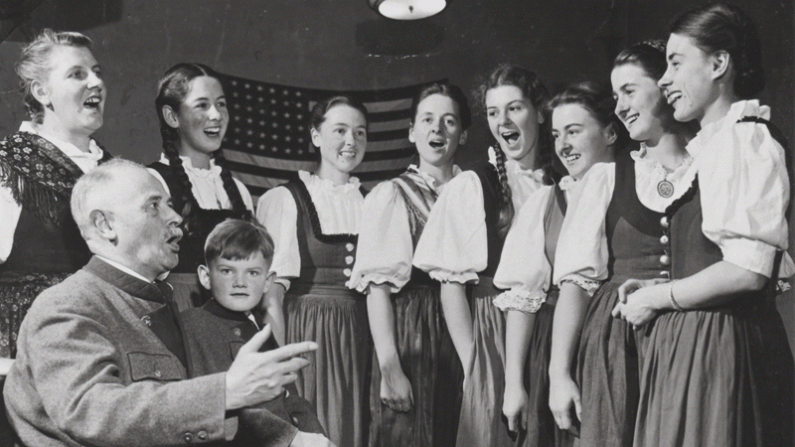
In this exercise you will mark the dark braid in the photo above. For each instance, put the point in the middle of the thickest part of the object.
(506, 198)
(172, 90)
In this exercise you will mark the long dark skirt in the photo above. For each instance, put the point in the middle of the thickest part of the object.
(17, 292)
(542, 431)
(607, 373)
(432, 367)
(481, 421)
(337, 380)
(717, 377)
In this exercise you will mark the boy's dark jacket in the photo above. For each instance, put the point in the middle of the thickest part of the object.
(219, 335)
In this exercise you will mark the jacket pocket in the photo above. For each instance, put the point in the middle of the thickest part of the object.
(162, 367)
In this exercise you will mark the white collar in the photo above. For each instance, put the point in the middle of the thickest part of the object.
(312, 178)
(429, 178)
(214, 171)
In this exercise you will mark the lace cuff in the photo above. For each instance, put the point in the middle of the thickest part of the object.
(589, 285)
(521, 299)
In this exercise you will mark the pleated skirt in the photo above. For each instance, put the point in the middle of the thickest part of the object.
(17, 292)
(608, 373)
(337, 380)
(481, 422)
(720, 377)
(431, 365)
(542, 431)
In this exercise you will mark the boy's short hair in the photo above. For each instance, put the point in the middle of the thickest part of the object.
(237, 239)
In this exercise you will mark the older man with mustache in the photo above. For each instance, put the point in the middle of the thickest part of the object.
(102, 359)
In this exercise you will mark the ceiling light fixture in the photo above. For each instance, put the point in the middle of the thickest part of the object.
(408, 9)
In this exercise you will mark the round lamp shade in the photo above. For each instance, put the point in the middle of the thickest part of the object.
(408, 9)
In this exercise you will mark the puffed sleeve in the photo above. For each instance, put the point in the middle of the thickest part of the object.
(384, 250)
(453, 246)
(10, 210)
(244, 194)
(277, 211)
(524, 267)
(744, 196)
(582, 252)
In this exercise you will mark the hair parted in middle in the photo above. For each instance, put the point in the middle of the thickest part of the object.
(172, 90)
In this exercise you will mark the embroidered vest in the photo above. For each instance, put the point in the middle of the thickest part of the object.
(419, 199)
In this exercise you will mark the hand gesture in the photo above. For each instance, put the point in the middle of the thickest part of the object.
(257, 377)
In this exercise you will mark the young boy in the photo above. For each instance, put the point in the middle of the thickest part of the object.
(238, 256)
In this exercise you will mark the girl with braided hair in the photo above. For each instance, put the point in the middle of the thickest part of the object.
(717, 369)
(463, 238)
(191, 108)
(582, 139)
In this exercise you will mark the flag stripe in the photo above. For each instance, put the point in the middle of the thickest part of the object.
(268, 136)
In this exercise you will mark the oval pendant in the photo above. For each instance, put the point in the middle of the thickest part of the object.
(665, 189)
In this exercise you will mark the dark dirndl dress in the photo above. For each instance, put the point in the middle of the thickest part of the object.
(481, 406)
(609, 350)
(196, 226)
(426, 351)
(542, 431)
(714, 376)
(47, 244)
(319, 307)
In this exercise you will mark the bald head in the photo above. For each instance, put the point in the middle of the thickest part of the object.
(125, 215)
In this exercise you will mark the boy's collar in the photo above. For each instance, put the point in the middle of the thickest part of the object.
(215, 308)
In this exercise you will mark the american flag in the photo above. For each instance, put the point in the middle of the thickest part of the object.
(267, 141)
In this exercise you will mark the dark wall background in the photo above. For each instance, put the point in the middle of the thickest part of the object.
(342, 44)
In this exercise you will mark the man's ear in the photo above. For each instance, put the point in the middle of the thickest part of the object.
(204, 276)
(611, 134)
(463, 138)
(99, 221)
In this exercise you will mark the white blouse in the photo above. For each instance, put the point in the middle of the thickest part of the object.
(11, 210)
(207, 186)
(744, 193)
(385, 249)
(339, 209)
(524, 267)
(744, 190)
(453, 245)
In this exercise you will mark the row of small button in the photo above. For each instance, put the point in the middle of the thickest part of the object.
(665, 241)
